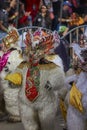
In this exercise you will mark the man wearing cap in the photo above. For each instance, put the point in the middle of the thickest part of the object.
(66, 12)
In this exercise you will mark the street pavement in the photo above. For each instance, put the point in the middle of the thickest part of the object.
(11, 126)
(19, 126)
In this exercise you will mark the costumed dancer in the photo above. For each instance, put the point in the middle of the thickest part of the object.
(77, 105)
(41, 81)
(10, 59)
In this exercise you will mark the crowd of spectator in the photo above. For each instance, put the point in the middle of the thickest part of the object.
(8, 16)
(50, 16)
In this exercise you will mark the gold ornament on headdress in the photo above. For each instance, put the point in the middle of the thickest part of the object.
(11, 38)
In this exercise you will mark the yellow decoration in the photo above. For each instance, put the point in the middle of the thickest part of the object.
(75, 98)
(48, 66)
(63, 109)
(50, 57)
(15, 78)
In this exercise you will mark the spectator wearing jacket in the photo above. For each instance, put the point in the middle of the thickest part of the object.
(54, 10)
(43, 19)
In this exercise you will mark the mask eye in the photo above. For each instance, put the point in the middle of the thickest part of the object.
(9, 63)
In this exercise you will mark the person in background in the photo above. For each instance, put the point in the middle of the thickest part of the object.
(4, 20)
(13, 13)
(76, 20)
(65, 13)
(63, 21)
(43, 19)
(23, 16)
(54, 11)
(75, 4)
(82, 9)
(33, 7)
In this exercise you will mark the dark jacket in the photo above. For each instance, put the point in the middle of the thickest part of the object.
(41, 21)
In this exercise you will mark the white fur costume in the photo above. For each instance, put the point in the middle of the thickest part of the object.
(42, 113)
(77, 120)
(10, 92)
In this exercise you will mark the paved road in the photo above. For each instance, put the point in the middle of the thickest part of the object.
(11, 126)
(15, 126)
(19, 126)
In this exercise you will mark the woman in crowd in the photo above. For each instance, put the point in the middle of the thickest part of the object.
(43, 19)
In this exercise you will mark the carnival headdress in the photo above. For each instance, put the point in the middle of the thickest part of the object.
(40, 43)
